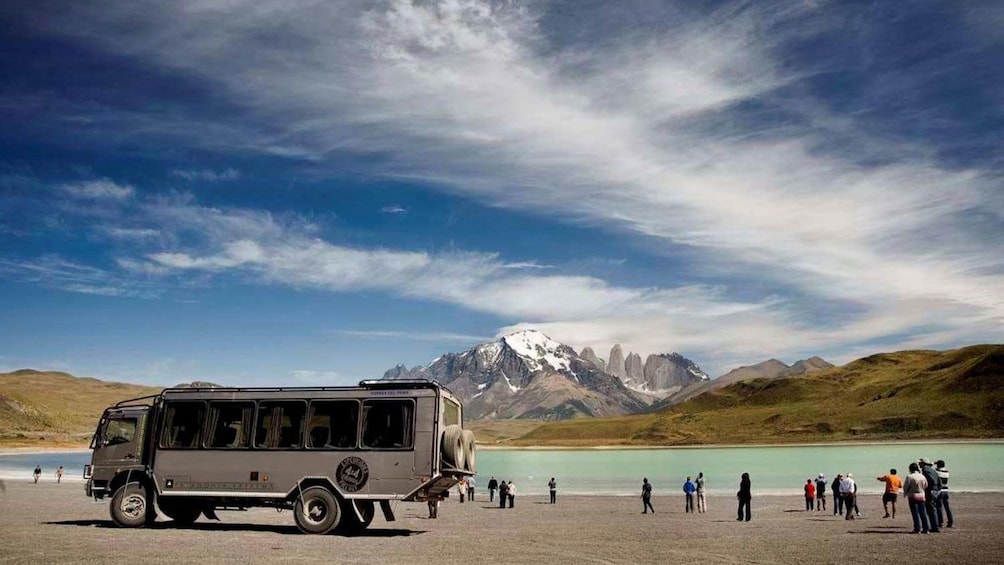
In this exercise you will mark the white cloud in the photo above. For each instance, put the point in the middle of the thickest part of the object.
(394, 210)
(630, 133)
(208, 175)
(102, 189)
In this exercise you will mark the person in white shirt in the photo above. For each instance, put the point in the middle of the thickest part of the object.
(847, 488)
(913, 489)
(511, 493)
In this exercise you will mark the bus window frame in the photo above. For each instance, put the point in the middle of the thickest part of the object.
(303, 430)
(163, 424)
(359, 412)
(362, 421)
(249, 434)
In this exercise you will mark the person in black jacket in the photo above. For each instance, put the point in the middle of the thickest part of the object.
(492, 485)
(503, 493)
(931, 493)
(744, 495)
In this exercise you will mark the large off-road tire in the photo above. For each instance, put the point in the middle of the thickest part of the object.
(470, 452)
(181, 512)
(317, 511)
(350, 523)
(453, 451)
(130, 506)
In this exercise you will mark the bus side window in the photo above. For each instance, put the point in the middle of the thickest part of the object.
(280, 425)
(182, 425)
(333, 424)
(388, 424)
(228, 424)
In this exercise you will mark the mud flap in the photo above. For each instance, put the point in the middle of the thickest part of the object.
(388, 512)
(210, 513)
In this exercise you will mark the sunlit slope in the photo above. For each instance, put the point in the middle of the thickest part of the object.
(52, 408)
(903, 395)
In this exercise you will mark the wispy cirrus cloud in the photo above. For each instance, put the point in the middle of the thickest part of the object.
(394, 210)
(101, 189)
(208, 175)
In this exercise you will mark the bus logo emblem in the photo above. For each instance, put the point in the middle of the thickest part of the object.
(352, 474)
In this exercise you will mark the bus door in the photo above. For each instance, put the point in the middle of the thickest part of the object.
(119, 441)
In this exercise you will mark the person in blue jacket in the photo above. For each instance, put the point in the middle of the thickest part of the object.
(688, 489)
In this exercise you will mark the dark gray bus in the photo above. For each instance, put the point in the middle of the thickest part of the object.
(330, 454)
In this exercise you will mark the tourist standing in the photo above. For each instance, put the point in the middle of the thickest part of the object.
(745, 496)
(59, 474)
(492, 485)
(462, 488)
(503, 493)
(943, 497)
(893, 484)
(701, 503)
(821, 493)
(552, 487)
(847, 489)
(646, 496)
(689, 488)
(470, 488)
(931, 493)
(838, 501)
(810, 494)
(433, 507)
(511, 491)
(913, 490)
(37, 473)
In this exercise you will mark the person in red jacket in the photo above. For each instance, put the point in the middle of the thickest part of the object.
(810, 494)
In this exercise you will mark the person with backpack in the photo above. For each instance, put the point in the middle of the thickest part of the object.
(821, 493)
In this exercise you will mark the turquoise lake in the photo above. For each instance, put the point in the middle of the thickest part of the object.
(975, 467)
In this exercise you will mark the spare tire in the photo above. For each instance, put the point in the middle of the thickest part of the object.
(452, 448)
(469, 452)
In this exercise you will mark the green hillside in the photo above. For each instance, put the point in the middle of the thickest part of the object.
(51, 408)
(903, 395)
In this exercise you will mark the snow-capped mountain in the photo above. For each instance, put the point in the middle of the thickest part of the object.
(527, 375)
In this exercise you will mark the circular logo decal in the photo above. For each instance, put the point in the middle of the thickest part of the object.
(352, 474)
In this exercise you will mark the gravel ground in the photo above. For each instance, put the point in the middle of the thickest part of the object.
(49, 523)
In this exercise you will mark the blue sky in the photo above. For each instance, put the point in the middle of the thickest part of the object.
(303, 193)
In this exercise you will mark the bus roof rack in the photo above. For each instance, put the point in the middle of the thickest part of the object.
(393, 383)
(136, 401)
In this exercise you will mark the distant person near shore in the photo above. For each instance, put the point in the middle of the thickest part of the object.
(745, 496)
(931, 493)
(942, 503)
(893, 484)
(810, 495)
(821, 493)
(701, 502)
(689, 488)
(847, 490)
(913, 490)
(433, 508)
(646, 496)
(462, 488)
(492, 486)
(511, 491)
(503, 493)
(470, 488)
(552, 488)
(838, 501)
(59, 474)
(37, 473)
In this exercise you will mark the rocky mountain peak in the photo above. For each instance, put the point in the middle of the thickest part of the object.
(589, 355)
(615, 366)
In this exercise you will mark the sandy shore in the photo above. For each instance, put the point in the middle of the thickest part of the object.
(50, 523)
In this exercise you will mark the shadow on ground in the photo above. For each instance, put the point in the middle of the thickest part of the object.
(228, 527)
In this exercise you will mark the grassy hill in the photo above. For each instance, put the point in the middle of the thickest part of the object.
(903, 395)
(52, 408)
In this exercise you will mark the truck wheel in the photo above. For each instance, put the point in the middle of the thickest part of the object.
(316, 511)
(182, 513)
(130, 506)
(469, 451)
(453, 448)
(350, 523)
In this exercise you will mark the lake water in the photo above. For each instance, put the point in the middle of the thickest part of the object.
(975, 467)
